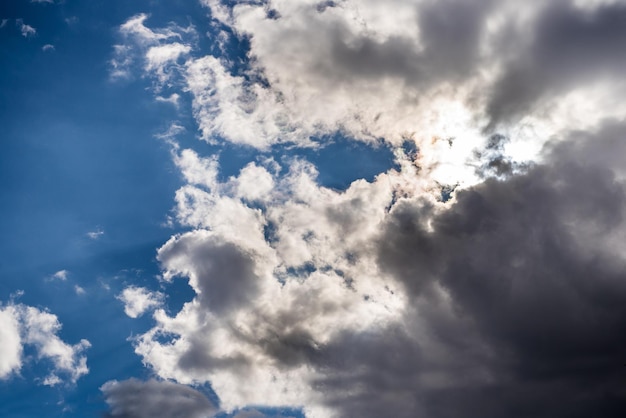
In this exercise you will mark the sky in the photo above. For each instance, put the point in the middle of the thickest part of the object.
(305, 208)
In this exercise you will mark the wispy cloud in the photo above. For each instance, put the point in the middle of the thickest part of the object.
(97, 234)
(61, 275)
(26, 30)
(48, 47)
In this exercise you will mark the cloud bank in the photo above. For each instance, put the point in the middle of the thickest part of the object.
(481, 276)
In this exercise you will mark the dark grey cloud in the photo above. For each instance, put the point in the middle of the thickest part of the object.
(524, 262)
(224, 273)
(155, 399)
(450, 33)
(570, 47)
(535, 323)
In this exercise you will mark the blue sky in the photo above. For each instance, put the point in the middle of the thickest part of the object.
(302, 208)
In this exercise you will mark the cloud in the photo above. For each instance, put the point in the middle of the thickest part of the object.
(11, 348)
(138, 300)
(155, 399)
(570, 46)
(503, 298)
(95, 234)
(47, 47)
(531, 263)
(3, 23)
(22, 325)
(61, 275)
(172, 99)
(26, 30)
(159, 49)
(381, 299)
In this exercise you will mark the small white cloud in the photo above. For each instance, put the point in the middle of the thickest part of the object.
(47, 47)
(4, 22)
(27, 30)
(79, 290)
(95, 234)
(60, 275)
(173, 99)
(138, 300)
(51, 380)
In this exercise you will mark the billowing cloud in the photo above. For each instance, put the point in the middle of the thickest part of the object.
(480, 276)
(22, 325)
(155, 399)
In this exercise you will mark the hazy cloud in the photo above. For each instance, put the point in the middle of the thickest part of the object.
(155, 399)
(26, 30)
(61, 275)
(95, 234)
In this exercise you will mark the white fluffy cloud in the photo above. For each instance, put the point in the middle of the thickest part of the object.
(60, 275)
(138, 300)
(22, 325)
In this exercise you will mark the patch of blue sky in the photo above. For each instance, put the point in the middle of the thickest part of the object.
(78, 156)
(340, 160)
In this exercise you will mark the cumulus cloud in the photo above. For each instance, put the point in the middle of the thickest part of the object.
(155, 399)
(481, 276)
(22, 325)
(138, 300)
